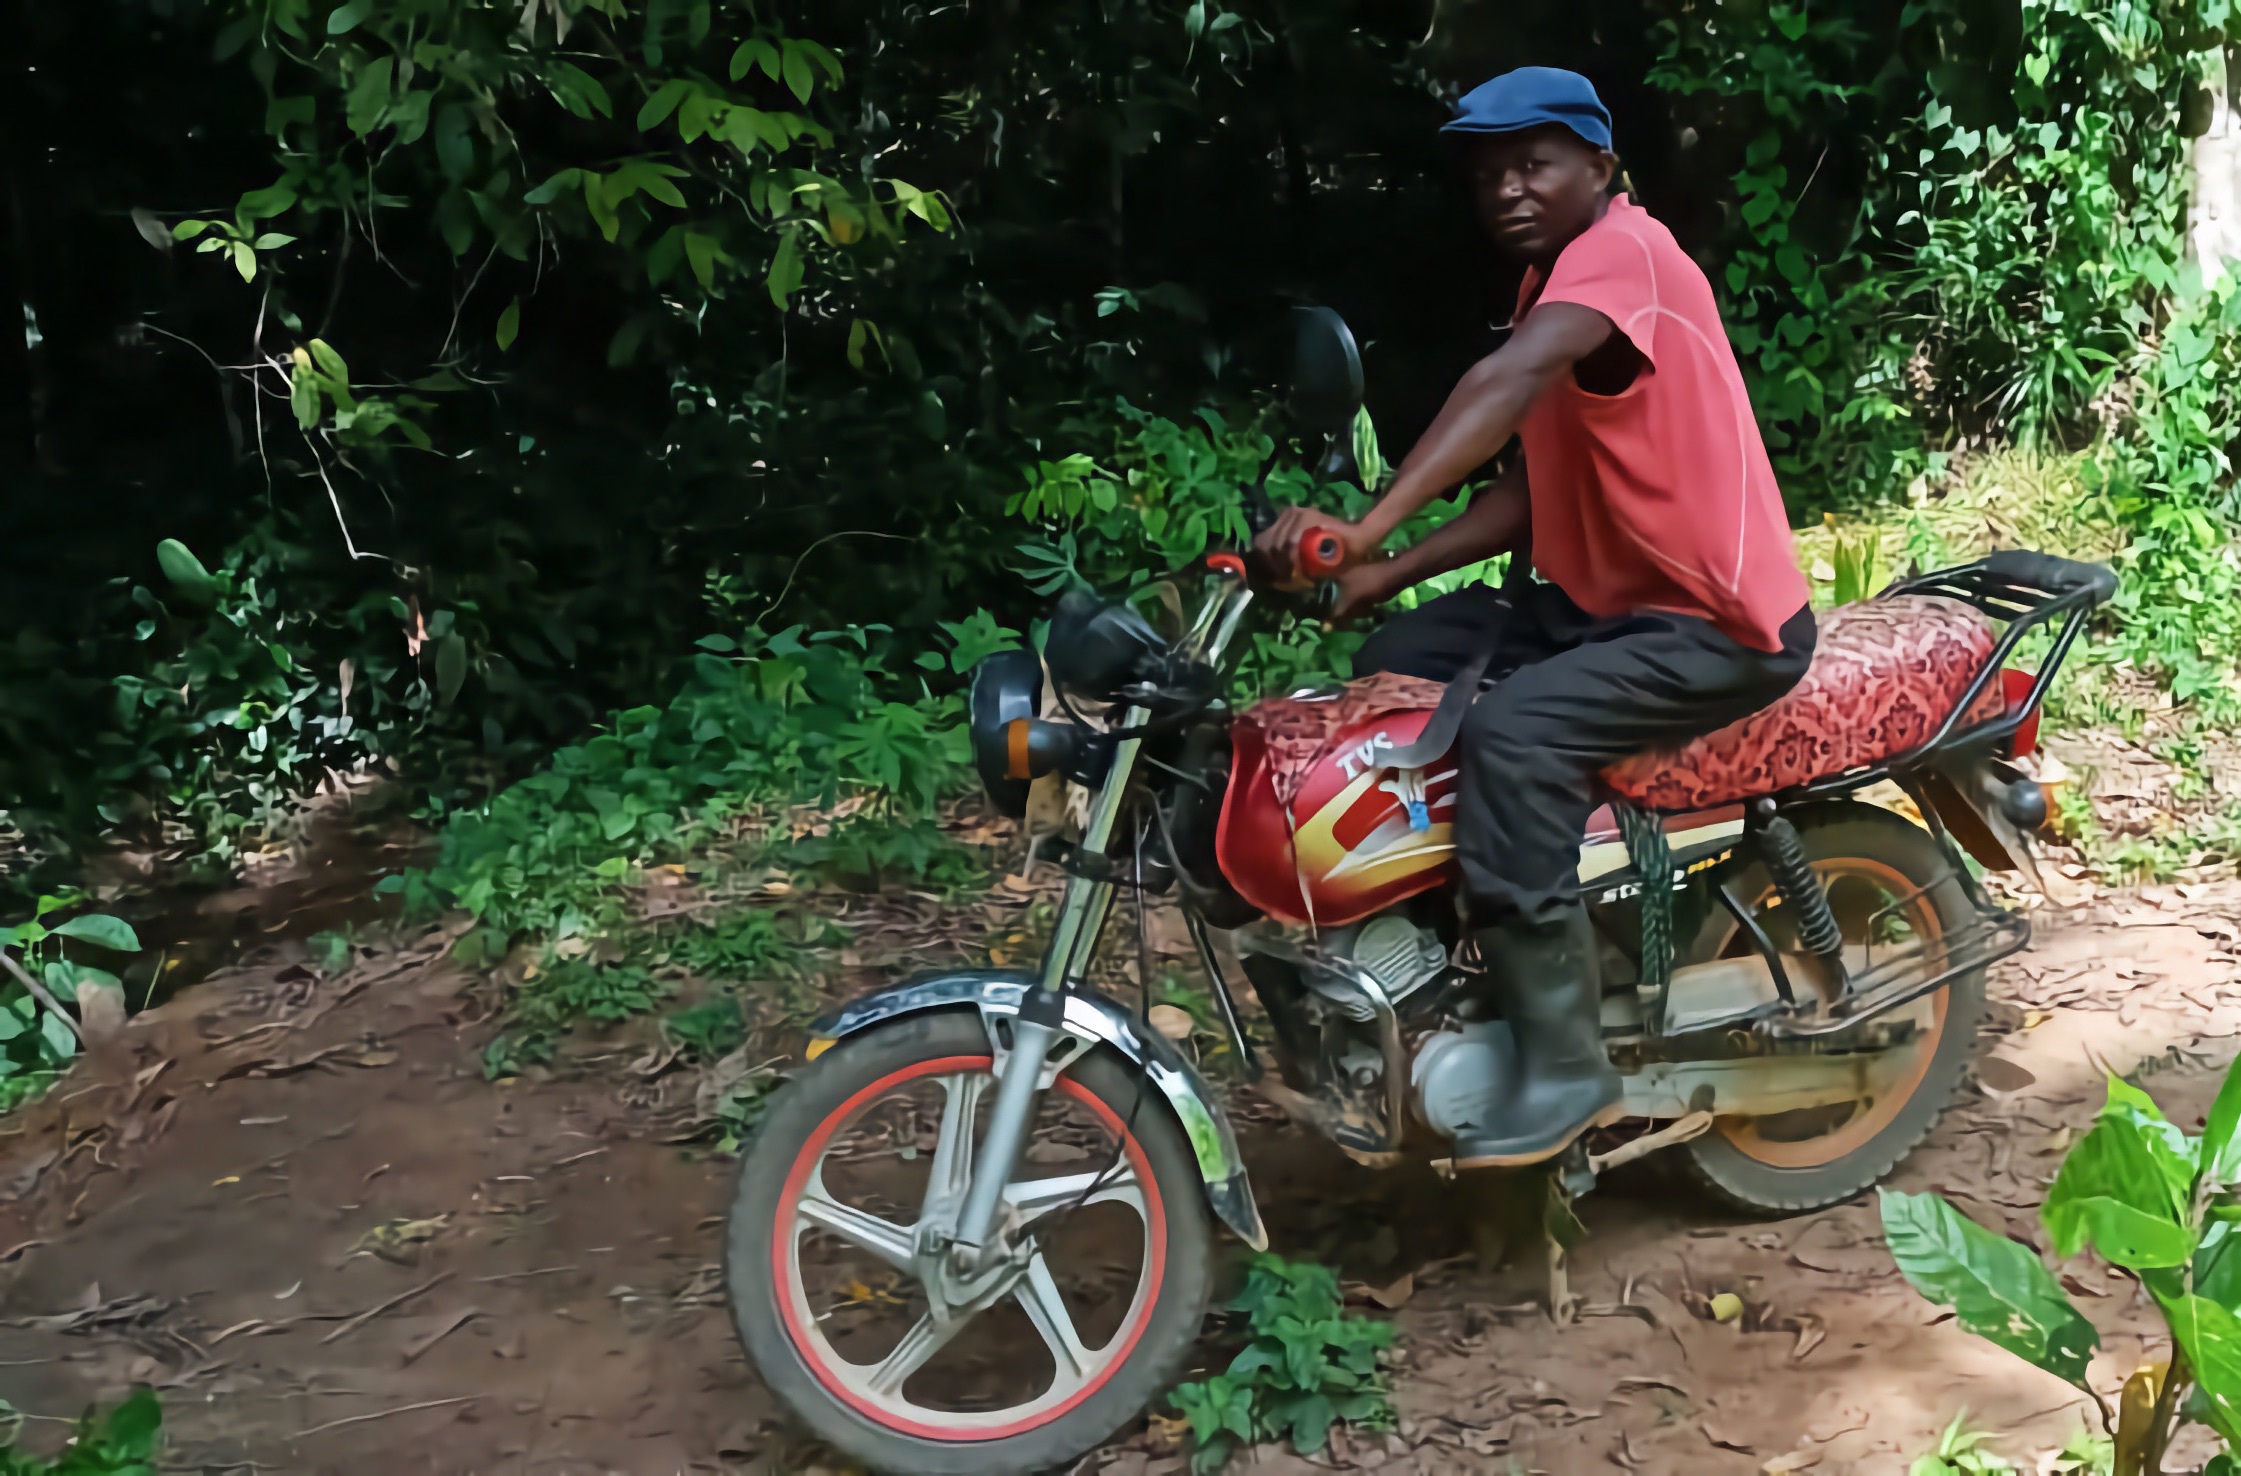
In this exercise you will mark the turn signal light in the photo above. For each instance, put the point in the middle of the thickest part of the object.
(1034, 747)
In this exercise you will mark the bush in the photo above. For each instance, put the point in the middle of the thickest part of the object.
(1310, 1365)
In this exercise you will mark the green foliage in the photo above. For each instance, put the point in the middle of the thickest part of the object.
(1858, 574)
(1960, 1452)
(709, 1030)
(871, 851)
(574, 989)
(122, 1442)
(2144, 1195)
(751, 943)
(759, 717)
(35, 1043)
(1998, 1289)
(1310, 1365)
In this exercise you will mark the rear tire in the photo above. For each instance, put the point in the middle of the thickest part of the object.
(791, 1353)
(1872, 848)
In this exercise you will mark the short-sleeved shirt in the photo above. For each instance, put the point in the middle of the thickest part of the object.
(1660, 497)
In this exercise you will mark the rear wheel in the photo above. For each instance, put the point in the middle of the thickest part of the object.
(832, 1296)
(1891, 886)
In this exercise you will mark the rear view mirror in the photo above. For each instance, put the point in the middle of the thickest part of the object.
(1326, 372)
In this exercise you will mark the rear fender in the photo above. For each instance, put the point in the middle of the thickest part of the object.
(1968, 795)
(1091, 1020)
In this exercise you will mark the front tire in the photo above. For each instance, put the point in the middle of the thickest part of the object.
(1882, 871)
(943, 1413)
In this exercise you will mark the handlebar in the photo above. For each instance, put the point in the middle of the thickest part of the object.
(1321, 554)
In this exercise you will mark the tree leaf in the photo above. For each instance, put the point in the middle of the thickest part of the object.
(509, 324)
(785, 276)
(549, 191)
(825, 60)
(451, 667)
(455, 144)
(2220, 1152)
(274, 199)
(368, 98)
(663, 102)
(799, 79)
(703, 252)
(244, 260)
(2125, 1187)
(2211, 1336)
(578, 91)
(1998, 1289)
(303, 397)
(183, 569)
(331, 364)
(102, 931)
(753, 53)
(346, 17)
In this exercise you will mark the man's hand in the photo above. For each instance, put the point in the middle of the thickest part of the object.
(1362, 587)
(1278, 547)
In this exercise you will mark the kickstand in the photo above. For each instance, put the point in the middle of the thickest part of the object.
(1561, 1230)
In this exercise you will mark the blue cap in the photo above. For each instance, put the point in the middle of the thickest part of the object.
(1530, 97)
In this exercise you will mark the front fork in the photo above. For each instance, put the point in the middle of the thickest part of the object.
(1081, 920)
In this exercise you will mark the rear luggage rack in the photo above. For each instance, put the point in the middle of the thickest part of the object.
(1907, 976)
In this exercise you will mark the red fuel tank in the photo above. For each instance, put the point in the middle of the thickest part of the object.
(1316, 827)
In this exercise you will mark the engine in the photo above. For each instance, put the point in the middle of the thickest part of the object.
(1396, 954)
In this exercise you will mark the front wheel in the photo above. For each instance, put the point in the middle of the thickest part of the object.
(855, 1320)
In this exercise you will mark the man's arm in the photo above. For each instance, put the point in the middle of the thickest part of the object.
(1481, 414)
(1494, 523)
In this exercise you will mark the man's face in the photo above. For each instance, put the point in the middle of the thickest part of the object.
(1538, 189)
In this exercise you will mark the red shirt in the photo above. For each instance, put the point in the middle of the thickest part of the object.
(1660, 497)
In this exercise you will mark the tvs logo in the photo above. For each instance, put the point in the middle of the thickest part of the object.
(1354, 760)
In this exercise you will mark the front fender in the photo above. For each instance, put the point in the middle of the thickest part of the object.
(1094, 1020)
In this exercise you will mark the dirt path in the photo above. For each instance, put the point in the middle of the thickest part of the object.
(294, 1205)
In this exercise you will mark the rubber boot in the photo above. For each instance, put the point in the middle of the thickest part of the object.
(1549, 988)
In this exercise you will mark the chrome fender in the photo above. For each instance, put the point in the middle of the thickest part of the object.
(1091, 1020)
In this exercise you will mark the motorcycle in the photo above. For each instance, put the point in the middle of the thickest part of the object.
(975, 1232)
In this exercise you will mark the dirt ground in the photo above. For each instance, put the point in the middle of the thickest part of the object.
(293, 1205)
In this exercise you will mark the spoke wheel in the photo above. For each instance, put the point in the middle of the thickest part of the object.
(857, 1319)
(1891, 888)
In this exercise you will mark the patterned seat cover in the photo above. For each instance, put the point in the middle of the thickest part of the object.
(1885, 673)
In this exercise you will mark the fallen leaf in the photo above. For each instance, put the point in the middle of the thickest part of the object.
(1726, 1307)
(1796, 1460)
(1395, 1296)
(1176, 1024)
(399, 1241)
(2003, 1075)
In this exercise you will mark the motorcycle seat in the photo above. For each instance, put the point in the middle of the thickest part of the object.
(1885, 674)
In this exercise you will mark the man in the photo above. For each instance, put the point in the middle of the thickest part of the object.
(1672, 603)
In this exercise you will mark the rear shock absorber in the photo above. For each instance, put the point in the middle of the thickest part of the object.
(1801, 891)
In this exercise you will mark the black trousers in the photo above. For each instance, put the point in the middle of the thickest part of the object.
(1571, 694)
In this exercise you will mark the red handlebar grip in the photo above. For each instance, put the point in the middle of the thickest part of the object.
(1322, 553)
